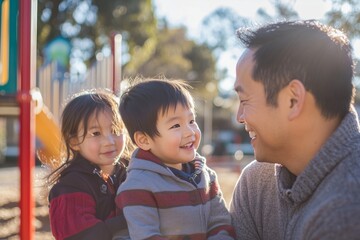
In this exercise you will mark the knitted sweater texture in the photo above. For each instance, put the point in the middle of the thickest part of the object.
(159, 205)
(323, 202)
(82, 204)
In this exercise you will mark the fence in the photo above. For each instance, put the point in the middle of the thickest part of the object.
(56, 86)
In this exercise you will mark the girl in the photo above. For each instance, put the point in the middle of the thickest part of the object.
(83, 187)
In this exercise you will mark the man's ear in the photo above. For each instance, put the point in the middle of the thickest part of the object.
(297, 93)
(142, 140)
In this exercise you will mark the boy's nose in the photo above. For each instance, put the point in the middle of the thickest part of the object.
(190, 131)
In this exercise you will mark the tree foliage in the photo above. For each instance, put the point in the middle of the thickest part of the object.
(222, 23)
(151, 51)
(175, 56)
(96, 20)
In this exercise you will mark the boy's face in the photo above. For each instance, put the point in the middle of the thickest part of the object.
(179, 136)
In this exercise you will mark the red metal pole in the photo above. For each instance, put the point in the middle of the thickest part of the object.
(27, 119)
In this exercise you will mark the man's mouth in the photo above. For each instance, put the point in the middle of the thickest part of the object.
(252, 134)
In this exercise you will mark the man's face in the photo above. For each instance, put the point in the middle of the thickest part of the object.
(265, 124)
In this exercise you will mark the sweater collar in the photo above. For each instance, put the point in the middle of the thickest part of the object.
(147, 155)
(80, 164)
(149, 159)
(338, 146)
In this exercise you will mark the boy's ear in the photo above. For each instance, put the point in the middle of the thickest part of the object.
(142, 140)
(297, 93)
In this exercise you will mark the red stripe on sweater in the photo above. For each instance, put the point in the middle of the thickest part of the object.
(169, 199)
(71, 214)
(197, 236)
(148, 156)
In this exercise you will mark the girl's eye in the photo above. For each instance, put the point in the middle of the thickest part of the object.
(175, 126)
(192, 121)
(95, 134)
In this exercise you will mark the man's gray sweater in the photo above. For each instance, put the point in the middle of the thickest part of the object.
(323, 202)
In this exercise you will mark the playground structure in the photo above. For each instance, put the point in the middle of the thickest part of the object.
(35, 99)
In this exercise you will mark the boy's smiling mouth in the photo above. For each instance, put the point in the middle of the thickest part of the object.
(188, 145)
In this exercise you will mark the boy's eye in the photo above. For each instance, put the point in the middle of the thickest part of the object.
(175, 126)
(192, 121)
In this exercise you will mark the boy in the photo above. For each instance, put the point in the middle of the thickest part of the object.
(169, 193)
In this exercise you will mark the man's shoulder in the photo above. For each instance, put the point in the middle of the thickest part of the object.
(259, 175)
(257, 168)
(348, 170)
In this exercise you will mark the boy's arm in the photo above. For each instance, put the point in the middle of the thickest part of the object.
(139, 209)
(220, 221)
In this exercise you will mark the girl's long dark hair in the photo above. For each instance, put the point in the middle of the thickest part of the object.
(77, 112)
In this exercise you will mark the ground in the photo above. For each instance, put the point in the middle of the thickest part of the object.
(228, 173)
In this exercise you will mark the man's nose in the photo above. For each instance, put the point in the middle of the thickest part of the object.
(240, 114)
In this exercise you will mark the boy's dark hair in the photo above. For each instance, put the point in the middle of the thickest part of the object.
(141, 103)
(317, 55)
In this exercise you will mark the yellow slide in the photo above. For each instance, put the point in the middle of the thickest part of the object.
(48, 132)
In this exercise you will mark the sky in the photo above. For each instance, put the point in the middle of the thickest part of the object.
(190, 13)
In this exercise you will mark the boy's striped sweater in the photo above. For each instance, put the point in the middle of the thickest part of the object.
(157, 204)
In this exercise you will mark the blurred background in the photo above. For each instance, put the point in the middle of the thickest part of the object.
(84, 44)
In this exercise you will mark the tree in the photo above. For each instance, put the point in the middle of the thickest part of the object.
(175, 56)
(89, 24)
(222, 23)
(344, 15)
(219, 27)
(150, 51)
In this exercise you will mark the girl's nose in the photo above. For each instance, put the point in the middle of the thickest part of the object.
(110, 139)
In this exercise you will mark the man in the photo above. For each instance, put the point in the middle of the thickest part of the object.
(294, 82)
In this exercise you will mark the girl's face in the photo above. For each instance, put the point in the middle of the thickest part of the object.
(102, 144)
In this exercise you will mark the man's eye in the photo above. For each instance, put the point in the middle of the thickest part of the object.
(242, 101)
(175, 126)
